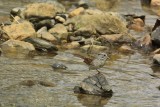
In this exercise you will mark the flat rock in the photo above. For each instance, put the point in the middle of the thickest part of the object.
(13, 47)
(95, 85)
(19, 31)
(41, 44)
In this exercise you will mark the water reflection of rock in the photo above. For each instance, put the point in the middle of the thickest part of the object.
(91, 100)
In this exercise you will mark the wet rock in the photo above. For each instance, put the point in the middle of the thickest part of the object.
(46, 83)
(76, 12)
(31, 83)
(43, 10)
(155, 35)
(156, 59)
(59, 66)
(28, 83)
(13, 47)
(59, 31)
(44, 34)
(157, 24)
(94, 85)
(19, 31)
(126, 49)
(92, 48)
(41, 44)
(144, 43)
(103, 23)
(49, 23)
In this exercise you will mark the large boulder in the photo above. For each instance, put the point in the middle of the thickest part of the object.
(101, 23)
(19, 31)
(16, 47)
(95, 85)
(43, 10)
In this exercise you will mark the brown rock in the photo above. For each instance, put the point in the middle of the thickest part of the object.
(157, 51)
(72, 45)
(44, 34)
(93, 48)
(19, 31)
(16, 47)
(43, 10)
(76, 12)
(138, 24)
(125, 49)
(60, 31)
(110, 38)
(155, 3)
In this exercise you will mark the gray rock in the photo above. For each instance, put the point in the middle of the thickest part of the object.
(156, 59)
(95, 85)
(49, 23)
(41, 44)
(58, 66)
(17, 11)
(155, 35)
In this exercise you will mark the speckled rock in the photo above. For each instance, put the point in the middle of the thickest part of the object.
(95, 85)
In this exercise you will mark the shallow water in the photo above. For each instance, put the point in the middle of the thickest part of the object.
(129, 75)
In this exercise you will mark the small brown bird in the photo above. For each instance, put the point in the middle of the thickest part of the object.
(98, 61)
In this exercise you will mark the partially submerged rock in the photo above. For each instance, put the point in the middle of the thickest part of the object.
(16, 47)
(56, 66)
(156, 59)
(95, 85)
(19, 31)
(41, 44)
